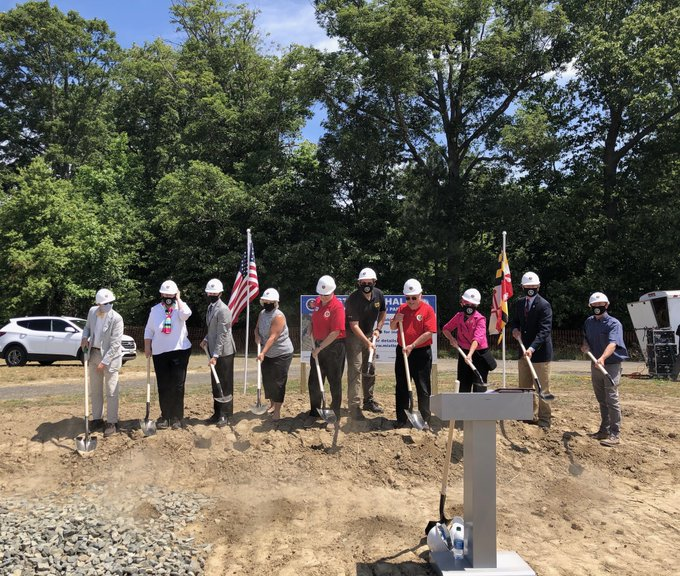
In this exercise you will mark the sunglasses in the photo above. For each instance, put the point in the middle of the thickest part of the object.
(412, 298)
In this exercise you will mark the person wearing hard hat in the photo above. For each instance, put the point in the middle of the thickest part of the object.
(419, 323)
(166, 340)
(219, 343)
(102, 340)
(328, 331)
(467, 330)
(531, 320)
(364, 318)
(276, 353)
(603, 337)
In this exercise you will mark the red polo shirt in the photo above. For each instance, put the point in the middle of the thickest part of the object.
(328, 318)
(416, 322)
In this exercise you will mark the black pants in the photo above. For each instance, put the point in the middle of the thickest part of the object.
(468, 381)
(275, 376)
(224, 367)
(420, 366)
(171, 373)
(332, 364)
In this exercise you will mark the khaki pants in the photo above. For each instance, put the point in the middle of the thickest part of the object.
(100, 381)
(542, 411)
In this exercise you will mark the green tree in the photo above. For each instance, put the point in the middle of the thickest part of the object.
(55, 78)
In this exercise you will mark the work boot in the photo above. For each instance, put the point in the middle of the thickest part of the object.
(110, 430)
(97, 424)
(373, 406)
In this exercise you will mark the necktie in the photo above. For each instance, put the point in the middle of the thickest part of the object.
(526, 308)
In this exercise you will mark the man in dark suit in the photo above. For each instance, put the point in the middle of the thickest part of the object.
(532, 320)
(219, 343)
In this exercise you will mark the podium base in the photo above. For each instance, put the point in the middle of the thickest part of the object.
(507, 564)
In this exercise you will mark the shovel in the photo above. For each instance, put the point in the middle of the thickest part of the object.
(370, 365)
(472, 367)
(328, 415)
(86, 443)
(546, 397)
(445, 480)
(259, 408)
(415, 418)
(600, 367)
(222, 399)
(148, 426)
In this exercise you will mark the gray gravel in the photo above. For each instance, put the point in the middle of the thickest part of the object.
(80, 535)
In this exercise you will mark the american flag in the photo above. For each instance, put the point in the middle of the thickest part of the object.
(246, 286)
(501, 293)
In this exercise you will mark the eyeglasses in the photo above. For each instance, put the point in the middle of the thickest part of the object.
(412, 298)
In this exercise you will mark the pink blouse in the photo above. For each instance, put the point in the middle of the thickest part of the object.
(474, 328)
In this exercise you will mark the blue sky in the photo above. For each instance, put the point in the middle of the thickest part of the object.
(136, 21)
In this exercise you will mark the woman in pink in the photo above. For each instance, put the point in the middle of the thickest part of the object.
(467, 329)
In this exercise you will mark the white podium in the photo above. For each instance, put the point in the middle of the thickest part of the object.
(479, 412)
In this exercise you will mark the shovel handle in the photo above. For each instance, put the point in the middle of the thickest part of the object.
(406, 367)
(531, 365)
(597, 364)
(212, 368)
(148, 381)
(259, 368)
(370, 354)
(472, 366)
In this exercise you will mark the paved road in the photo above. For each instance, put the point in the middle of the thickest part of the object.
(199, 378)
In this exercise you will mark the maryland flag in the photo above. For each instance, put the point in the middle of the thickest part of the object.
(502, 291)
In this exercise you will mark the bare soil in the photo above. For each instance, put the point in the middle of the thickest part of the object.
(289, 500)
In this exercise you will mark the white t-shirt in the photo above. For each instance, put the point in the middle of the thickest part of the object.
(177, 339)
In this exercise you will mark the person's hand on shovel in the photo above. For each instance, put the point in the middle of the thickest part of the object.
(517, 336)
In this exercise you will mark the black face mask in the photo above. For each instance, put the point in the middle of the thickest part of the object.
(468, 310)
(269, 306)
(212, 299)
(168, 301)
(598, 310)
(366, 288)
(530, 292)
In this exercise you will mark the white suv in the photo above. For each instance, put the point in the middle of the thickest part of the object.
(47, 339)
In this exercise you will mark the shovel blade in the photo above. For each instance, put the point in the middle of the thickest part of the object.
(148, 427)
(85, 445)
(416, 419)
(328, 415)
(225, 399)
(258, 409)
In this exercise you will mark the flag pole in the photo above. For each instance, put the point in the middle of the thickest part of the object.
(248, 287)
(503, 340)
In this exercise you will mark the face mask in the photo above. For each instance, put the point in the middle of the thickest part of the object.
(212, 299)
(106, 308)
(269, 306)
(468, 310)
(168, 301)
(530, 292)
(598, 310)
(367, 288)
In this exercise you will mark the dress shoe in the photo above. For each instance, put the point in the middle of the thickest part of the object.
(600, 435)
(177, 424)
(222, 422)
(373, 406)
(110, 430)
(97, 424)
(213, 419)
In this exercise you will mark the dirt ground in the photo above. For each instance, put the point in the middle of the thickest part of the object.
(287, 501)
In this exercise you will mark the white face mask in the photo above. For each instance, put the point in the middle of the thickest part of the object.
(106, 308)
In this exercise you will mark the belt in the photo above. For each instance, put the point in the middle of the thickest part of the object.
(94, 348)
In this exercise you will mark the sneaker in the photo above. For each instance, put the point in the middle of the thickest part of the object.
(401, 424)
(599, 435)
(110, 430)
(373, 406)
(611, 441)
(161, 424)
(177, 424)
(96, 425)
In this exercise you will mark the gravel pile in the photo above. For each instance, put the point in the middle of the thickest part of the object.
(82, 535)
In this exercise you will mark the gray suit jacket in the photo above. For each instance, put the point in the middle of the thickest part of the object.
(219, 336)
(112, 336)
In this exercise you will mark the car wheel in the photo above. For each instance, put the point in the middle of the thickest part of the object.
(46, 362)
(15, 356)
(80, 357)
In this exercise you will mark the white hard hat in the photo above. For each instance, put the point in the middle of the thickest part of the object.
(270, 295)
(439, 538)
(214, 286)
(412, 288)
(598, 297)
(472, 296)
(367, 274)
(104, 296)
(168, 287)
(530, 279)
(325, 286)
